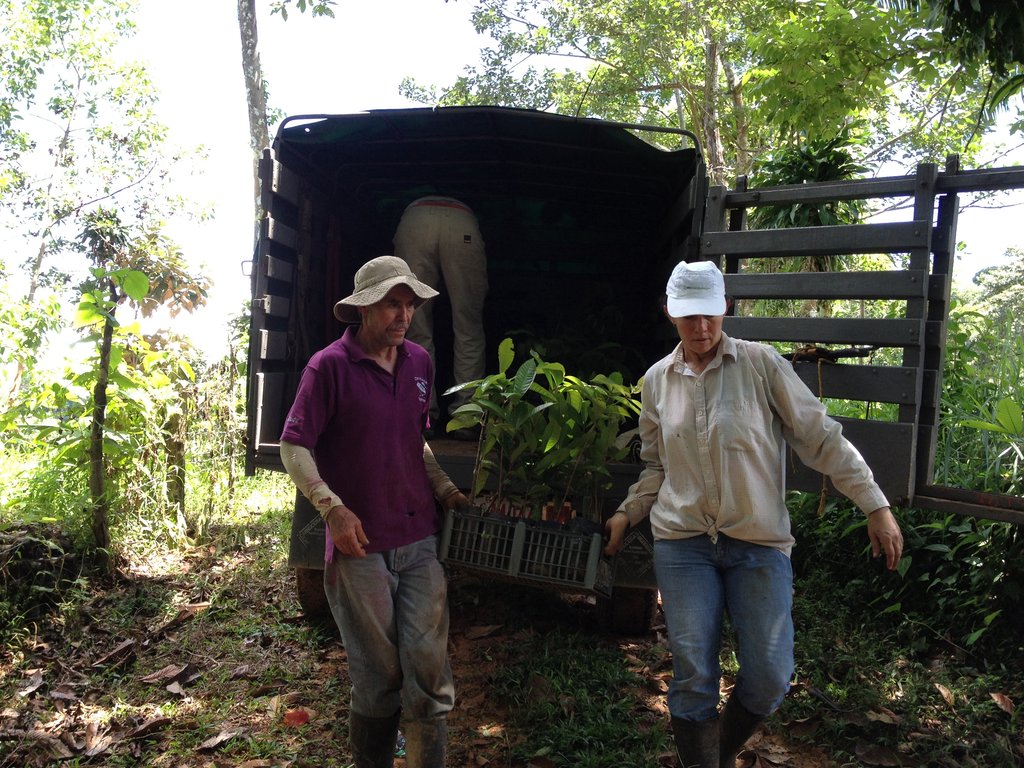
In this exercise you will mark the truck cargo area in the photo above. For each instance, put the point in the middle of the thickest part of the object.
(582, 221)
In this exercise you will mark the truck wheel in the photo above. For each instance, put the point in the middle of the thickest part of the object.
(309, 588)
(629, 611)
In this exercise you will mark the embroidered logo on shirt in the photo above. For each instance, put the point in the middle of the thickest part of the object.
(421, 386)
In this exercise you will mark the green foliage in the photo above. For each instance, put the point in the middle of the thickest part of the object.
(961, 580)
(546, 435)
(81, 144)
(214, 423)
(567, 692)
(1002, 289)
(809, 160)
(979, 445)
(967, 572)
(39, 568)
(991, 32)
(886, 682)
(77, 131)
(26, 326)
(315, 7)
(155, 384)
(838, 54)
(728, 73)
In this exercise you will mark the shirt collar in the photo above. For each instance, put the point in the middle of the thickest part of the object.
(727, 346)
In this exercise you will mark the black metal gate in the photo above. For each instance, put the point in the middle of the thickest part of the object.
(907, 381)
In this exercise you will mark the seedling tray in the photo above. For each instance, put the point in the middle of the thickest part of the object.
(529, 552)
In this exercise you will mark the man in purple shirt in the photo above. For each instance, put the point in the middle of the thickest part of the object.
(353, 444)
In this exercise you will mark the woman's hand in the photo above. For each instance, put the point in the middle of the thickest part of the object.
(885, 535)
(615, 528)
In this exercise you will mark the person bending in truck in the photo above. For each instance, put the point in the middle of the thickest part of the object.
(716, 413)
(353, 444)
(440, 239)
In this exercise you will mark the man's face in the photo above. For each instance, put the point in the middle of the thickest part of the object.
(700, 334)
(387, 321)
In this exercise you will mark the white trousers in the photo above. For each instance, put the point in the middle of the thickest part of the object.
(440, 241)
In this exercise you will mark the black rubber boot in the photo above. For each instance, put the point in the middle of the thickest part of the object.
(738, 725)
(696, 743)
(373, 740)
(426, 742)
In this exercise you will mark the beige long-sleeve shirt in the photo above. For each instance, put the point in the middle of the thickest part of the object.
(713, 446)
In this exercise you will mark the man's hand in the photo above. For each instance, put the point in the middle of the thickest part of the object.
(885, 535)
(615, 527)
(456, 500)
(346, 531)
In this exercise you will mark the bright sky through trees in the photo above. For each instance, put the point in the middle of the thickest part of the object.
(350, 63)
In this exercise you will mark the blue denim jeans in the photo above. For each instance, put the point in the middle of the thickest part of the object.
(392, 610)
(700, 580)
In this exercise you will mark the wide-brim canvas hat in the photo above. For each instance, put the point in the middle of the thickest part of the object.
(695, 288)
(373, 281)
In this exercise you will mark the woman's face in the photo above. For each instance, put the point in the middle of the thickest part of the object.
(700, 334)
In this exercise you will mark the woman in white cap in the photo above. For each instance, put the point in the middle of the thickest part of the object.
(716, 414)
(353, 444)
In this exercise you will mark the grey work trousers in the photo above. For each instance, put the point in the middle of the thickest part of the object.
(392, 610)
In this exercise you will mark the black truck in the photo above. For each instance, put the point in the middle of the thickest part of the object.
(583, 221)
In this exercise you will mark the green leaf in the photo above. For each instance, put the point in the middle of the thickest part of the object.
(1008, 414)
(986, 425)
(134, 283)
(506, 354)
(904, 565)
(524, 378)
(88, 313)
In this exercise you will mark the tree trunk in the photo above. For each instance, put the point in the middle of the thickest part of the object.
(256, 97)
(709, 124)
(236, 446)
(97, 479)
(744, 162)
(174, 445)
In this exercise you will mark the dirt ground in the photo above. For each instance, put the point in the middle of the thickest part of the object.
(487, 624)
(203, 658)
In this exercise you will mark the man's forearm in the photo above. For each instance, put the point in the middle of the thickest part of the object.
(301, 468)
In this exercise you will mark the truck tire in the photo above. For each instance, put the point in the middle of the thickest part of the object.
(309, 589)
(629, 611)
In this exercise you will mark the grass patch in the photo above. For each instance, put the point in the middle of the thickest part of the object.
(581, 702)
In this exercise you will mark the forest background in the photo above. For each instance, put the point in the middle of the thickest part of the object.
(123, 421)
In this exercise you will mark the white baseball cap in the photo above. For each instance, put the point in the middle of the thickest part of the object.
(696, 288)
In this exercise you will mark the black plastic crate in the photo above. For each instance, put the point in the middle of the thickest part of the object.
(526, 551)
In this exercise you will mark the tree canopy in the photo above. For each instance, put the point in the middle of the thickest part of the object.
(746, 77)
(78, 130)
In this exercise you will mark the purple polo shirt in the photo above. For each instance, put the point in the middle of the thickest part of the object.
(364, 427)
